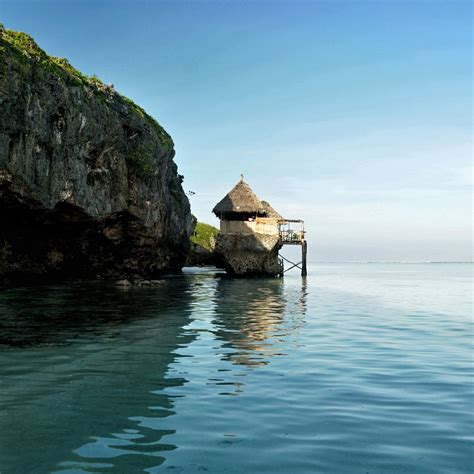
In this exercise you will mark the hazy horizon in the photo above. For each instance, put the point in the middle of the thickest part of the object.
(355, 116)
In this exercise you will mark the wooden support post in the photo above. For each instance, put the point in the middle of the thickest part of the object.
(304, 248)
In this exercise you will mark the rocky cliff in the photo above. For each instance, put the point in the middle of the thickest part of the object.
(88, 185)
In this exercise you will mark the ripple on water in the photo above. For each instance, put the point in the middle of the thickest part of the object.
(355, 369)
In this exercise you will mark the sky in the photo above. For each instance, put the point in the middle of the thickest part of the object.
(355, 116)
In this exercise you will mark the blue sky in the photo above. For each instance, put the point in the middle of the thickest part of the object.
(353, 115)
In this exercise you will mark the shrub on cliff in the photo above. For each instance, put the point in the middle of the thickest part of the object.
(205, 235)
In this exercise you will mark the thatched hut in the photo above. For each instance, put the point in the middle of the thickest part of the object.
(270, 212)
(249, 237)
(241, 212)
(252, 233)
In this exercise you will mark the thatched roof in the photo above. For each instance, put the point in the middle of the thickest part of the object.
(240, 199)
(271, 212)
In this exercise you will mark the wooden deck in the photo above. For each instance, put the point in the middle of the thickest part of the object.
(292, 233)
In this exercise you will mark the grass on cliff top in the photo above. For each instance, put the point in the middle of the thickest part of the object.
(25, 49)
(205, 235)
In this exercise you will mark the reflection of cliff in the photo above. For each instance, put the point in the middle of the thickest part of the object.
(87, 346)
(248, 318)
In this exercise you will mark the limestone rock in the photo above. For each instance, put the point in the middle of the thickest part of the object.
(200, 256)
(249, 254)
(88, 185)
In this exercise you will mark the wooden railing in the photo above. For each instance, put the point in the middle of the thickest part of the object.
(289, 235)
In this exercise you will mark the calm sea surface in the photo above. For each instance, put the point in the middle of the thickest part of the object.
(360, 368)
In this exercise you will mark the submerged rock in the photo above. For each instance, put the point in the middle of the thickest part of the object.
(88, 185)
(126, 283)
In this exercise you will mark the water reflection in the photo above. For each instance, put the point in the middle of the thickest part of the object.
(93, 363)
(296, 304)
(61, 315)
(86, 380)
(248, 318)
(98, 380)
(303, 299)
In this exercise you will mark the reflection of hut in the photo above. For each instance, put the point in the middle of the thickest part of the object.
(248, 319)
(249, 233)
(254, 321)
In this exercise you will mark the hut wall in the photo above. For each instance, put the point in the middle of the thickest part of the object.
(238, 227)
(267, 225)
(259, 226)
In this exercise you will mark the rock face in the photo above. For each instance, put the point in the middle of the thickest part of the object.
(88, 185)
(200, 257)
(249, 254)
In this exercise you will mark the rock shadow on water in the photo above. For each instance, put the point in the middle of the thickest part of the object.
(97, 401)
(64, 314)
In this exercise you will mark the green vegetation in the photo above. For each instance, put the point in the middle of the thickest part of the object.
(165, 139)
(24, 49)
(141, 158)
(68, 69)
(23, 43)
(205, 235)
(95, 80)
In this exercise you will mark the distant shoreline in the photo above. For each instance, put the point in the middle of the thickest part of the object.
(401, 262)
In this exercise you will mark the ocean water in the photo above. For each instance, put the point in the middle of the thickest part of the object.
(359, 368)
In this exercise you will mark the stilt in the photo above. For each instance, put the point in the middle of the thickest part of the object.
(304, 248)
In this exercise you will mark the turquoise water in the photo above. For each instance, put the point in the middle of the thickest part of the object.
(360, 368)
